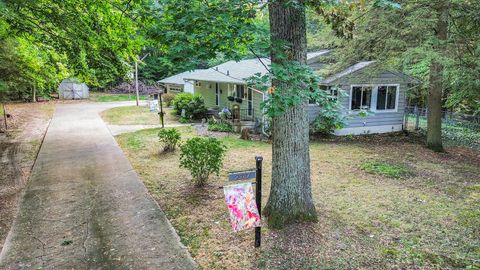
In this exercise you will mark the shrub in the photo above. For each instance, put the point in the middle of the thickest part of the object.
(196, 109)
(327, 122)
(202, 157)
(385, 169)
(330, 116)
(168, 98)
(184, 120)
(180, 101)
(169, 138)
(220, 126)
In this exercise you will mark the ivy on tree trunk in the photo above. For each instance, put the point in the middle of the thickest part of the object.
(290, 197)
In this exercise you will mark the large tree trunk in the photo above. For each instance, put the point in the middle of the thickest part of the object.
(434, 120)
(290, 195)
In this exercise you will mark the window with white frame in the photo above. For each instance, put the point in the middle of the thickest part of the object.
(387, 97)
(361, 98)
(240, 91)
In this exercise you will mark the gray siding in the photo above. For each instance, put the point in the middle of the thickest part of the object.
(312, 112)
(375, 119)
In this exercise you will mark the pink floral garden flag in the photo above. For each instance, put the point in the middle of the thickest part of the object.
(242, 206)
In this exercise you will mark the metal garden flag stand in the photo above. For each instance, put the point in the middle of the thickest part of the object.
(257, 175)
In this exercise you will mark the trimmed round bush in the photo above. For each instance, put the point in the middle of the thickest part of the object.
(196, 108)
(180, 101)
(202, 157)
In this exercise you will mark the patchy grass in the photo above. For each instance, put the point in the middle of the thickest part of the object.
(429, 220)
(104, 97)
(385, 169)
(136, 115)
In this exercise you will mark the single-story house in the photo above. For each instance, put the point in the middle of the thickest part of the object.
(225, 85)
(369, 88)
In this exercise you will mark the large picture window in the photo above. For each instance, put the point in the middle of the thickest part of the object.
(386, 98)
(361, 97)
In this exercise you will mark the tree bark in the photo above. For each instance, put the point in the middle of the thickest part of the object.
(5, 118)
(434, 101)
(290, 197)
(34, 93)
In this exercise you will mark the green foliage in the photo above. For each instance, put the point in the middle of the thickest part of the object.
(180, 101)
(220, 126)
(168, 98)
(194, 105)
(202, 157)
(196, 109)
(169, 138)
(296, 84)
(185, 120)
(43, 42)
(454, 132)
(330, 116)
(201, 30)
(403, 38)
(385, 169)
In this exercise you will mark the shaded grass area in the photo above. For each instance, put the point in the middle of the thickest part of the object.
(428, 218)
(136, 115)
(453, 132)
(385, 169)
(104, 97)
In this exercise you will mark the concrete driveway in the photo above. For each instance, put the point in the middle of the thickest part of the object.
(86, 208)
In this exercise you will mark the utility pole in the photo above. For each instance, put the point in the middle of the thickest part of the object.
(136, 77)
(136, 82)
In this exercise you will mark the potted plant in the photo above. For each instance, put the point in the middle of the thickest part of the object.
(231, 98)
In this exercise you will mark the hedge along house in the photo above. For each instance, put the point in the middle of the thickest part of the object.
(225, 86)
(379, 93)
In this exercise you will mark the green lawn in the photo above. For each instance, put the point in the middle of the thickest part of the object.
(136, 115)
(383, 203)
(103, 97)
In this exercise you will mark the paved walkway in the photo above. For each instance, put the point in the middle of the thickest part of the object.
(86, 208)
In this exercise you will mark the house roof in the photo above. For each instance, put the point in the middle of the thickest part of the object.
(177, 78)
(238, 72)
(313, 57)
(211, 75)
(361, 65)
(358, 66)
